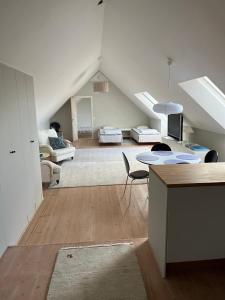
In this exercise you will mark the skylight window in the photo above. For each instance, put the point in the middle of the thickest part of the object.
(148, 101)
(213, 89)
(208, 96)
(145, 96)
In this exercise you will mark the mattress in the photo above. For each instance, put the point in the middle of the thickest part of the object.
(153, 136)
(146, 131)
(113, 131)
(112, 135)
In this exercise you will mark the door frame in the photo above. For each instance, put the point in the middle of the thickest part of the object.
(78, 99)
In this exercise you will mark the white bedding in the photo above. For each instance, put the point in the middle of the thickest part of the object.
(110, 135)
(146, 135)
(111, 131)
(146, 131)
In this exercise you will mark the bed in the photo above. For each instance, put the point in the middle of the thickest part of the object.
(110, 135)
(144, 134)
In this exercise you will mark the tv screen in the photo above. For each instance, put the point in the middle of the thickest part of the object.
(175, 126)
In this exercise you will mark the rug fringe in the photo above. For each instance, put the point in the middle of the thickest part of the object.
(98, 245)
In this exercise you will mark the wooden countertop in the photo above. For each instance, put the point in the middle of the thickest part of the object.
(191, 174)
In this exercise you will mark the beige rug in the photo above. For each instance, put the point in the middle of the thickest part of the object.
(99, 166)
(105, 272)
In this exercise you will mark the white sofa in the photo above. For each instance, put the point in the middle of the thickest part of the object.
(50, 172)
(56, 155)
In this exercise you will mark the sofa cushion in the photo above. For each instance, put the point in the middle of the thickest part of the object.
(56, 143)
(44, 134)
(63, 151)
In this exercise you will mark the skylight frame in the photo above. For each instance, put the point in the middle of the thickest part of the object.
(213, 89)
(146, 96)
(208, 96)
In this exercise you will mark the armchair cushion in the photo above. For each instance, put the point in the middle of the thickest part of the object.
(46, 148)
(44, 134)
(57, 143)
(57, 154)
(68, 150)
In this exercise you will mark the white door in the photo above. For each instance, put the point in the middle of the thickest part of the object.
(13, 218)
(32, 140)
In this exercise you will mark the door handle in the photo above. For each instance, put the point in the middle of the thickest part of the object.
(31, 141)
(13, 151)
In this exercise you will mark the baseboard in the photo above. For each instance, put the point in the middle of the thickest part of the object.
(29, 221)
(197, 265)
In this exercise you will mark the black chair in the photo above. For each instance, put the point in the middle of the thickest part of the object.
(135, 175)
(211, 156)
(161, 147)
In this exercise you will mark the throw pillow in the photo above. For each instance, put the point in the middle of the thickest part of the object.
(57, 143)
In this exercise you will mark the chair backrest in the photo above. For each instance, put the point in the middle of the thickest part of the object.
(126, 162)
(211, 156)
(44, 134)
(161, 147)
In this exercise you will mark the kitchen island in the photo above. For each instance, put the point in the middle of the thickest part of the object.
(187, 212)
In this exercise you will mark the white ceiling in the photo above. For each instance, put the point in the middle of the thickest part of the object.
(56, 41)
(60, 42)
(146, 32)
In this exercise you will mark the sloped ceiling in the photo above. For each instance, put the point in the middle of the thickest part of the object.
(60, 43)
(140, 35)
(56, 41)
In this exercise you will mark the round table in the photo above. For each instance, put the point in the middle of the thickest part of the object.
(167, 158)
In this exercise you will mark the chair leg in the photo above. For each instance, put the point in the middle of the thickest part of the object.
(125, 187)
(131, 184)
(147, 198)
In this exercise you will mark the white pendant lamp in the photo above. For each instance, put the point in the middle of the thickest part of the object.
(168, 108)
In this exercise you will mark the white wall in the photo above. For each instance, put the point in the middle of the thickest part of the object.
(211, 140)
(63, 116)
(113, 108)
(84, 113)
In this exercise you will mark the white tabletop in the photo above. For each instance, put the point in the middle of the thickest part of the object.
(167, 158)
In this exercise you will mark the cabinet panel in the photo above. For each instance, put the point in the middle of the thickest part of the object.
(25, 140)
(35, 171)
(20, 185)
(14, 214)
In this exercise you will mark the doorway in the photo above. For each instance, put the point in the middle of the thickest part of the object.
(85, 117)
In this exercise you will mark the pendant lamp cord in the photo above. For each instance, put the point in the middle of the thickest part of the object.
(169, 61)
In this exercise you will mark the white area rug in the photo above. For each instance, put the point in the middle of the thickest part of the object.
(99, 166)
(105, 272)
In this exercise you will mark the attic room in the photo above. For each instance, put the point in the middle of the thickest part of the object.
(113, 149)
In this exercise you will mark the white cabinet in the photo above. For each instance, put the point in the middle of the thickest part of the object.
(20, 189)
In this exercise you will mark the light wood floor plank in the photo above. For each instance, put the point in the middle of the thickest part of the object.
(88, 214)
(95, 215)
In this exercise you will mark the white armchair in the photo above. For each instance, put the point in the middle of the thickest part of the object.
(56, 155)
(50, 172)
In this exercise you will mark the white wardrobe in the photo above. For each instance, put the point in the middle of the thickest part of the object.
(20, 177)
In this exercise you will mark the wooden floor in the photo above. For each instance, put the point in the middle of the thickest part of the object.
(95, 215)
(89, 214)
(93, 143)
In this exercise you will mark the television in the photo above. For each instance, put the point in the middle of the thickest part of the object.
(175, 126)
